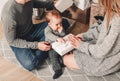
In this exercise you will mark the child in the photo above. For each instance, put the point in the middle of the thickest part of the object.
(54, 32)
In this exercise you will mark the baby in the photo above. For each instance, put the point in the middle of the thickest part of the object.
(54, 32)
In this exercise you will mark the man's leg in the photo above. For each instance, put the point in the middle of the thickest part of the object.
(28, 58)
(32, 58)
(38, 33)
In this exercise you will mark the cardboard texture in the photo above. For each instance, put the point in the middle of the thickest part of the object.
(96, 10)
(12, 72)
(77, 14)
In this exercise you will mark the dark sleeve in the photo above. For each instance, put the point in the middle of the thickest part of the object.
(44, 4)
(65, 24)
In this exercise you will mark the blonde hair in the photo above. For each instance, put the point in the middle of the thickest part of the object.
(111, 7)
(52, 13)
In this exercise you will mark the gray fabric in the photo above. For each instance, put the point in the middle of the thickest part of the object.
(2, 3)
(51, 35)
(54, 59)
(17, 22)
(102, 55)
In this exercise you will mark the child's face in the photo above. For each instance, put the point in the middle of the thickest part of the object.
(55, 23)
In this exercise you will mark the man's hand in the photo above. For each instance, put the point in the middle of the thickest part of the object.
(44, 46)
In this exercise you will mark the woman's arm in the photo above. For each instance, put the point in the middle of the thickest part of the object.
(99, 50)
(92, 33)
(104, 47)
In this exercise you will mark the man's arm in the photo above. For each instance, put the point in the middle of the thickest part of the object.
(10, 33)
(43, 4)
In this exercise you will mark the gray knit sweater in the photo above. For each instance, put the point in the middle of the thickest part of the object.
(99, 52)
(51, 35)
(17, 22)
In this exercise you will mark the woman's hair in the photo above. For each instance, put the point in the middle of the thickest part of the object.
(111, 7)
(52, 13)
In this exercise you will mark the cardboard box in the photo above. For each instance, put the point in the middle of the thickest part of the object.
(77, 14)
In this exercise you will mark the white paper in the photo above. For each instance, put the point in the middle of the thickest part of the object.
(82, 4)
(62, 5)
(62, 48)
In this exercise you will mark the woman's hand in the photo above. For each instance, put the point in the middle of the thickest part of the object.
(79, 36)
(44, 46)
(74, 40)
(54, 1)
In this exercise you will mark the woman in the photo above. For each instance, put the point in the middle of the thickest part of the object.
(97, 52)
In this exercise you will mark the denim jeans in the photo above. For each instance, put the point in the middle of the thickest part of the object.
(32, 58)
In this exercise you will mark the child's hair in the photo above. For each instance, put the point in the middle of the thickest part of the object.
(52, 13)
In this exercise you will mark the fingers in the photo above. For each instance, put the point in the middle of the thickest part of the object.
(44, 46)
(75, 41)
(47, 43)
(61, 40)
(72, 38)
(47, 46)
(72, 41)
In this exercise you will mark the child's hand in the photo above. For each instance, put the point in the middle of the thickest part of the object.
(61, 40)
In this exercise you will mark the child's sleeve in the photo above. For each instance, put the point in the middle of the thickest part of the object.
(49, 35)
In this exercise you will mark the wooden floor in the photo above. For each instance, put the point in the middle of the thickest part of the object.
(12, 72)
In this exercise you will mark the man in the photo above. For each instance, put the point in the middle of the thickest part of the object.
(25, 38)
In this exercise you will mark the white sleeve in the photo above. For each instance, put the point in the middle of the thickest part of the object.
(82, 4)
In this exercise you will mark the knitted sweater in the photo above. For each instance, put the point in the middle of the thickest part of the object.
(17, 22)
(99, 52)
(51, 35)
